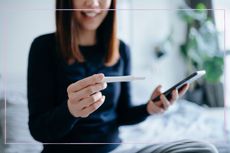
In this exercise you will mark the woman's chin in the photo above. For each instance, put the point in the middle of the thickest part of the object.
(89, 27)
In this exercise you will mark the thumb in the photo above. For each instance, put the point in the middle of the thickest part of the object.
(156, 92)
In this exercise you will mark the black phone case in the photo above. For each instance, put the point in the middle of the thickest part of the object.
(178, 86)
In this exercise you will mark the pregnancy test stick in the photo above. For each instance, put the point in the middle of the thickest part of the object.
(122, 79)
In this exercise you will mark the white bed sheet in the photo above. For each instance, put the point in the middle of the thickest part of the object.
(185, 120)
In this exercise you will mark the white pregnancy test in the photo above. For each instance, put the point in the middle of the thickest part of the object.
(122, 79)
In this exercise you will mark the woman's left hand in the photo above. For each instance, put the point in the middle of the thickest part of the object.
(163, 104)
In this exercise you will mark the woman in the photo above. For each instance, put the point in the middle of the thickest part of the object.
(67, 98)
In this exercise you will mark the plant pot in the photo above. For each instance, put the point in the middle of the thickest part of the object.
(214, 94)
(195, 95)
(207, 94)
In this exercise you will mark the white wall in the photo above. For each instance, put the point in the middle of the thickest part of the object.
(145, 30)
(21, 21)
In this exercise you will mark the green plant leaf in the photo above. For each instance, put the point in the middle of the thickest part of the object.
(214, 69)
(200, 6)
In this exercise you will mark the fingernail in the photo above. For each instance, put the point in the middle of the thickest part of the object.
(162, 96)
(174, 92)
(101, 76)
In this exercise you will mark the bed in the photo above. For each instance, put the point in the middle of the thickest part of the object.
(185, 120)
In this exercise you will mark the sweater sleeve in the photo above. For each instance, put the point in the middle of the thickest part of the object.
(47, 121)
(127, 113)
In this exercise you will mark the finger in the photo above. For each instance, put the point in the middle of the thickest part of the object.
(153, 108)
(93, 107)
(157, 91)
(158, 87)
(174, 96)
(89, 100)
(159, 104)
(86, 92)
(165, 102)
(96, 78)
(183, 90)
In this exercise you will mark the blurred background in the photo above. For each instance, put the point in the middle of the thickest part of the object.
(168, 41)
(169, 44)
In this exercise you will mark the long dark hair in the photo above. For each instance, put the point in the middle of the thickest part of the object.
(67, 39)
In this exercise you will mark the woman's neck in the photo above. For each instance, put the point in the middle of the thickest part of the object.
(87, 38)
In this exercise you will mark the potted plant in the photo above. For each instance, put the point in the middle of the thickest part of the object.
(201, 52)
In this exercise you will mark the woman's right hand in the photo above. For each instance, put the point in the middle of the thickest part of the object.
(84, 96)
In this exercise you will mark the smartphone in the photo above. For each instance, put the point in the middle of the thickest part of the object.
(194, 76)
